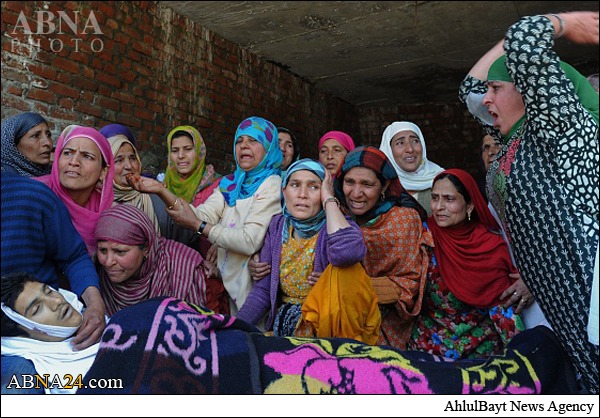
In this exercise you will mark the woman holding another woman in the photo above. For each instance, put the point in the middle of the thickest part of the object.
(310, 235)
(137, 264)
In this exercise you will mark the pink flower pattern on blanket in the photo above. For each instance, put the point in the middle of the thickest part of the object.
(359, 369)
(324, 372)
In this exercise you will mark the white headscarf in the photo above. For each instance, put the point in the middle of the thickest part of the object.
(420, 179)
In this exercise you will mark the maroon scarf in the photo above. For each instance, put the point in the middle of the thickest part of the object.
(474, 261)
(171, 268)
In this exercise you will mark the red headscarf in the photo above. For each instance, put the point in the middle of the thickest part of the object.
(474, 261)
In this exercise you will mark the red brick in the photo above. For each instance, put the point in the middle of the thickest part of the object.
(16, 6)
(62, 90)
(111, 23)
(66, 65)
(105, 78)
(108, 103)
(144, 114)
(13, 89)
(41, 108)
(128, 121)
(63, 113)
(14, 75)
(42, 95)
(66, 103)
(85, 83)
(63, 77)
(106, 8)
(88, 109)
(14, 102)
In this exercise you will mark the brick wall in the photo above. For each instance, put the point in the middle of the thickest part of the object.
(150, 69)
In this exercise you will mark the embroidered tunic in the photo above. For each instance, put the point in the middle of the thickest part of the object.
(451, 328)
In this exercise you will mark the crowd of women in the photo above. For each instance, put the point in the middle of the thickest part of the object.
(379, 245)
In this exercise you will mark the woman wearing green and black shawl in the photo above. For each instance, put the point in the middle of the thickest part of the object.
(544, 181)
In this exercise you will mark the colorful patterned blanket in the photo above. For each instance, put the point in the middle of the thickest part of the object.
(166, 346)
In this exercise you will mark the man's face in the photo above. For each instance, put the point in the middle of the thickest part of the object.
(40, 303)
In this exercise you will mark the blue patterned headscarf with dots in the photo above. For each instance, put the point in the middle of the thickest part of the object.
(243, 184)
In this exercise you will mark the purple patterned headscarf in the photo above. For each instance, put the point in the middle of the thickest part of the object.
(115, 129)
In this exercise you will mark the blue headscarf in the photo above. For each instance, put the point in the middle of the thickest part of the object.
(308, 227)
(12, 160)
(242, 184)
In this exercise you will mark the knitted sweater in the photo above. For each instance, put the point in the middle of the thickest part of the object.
(342, 248)
(38, 236)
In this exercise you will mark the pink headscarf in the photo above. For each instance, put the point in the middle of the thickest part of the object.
(341, 137)
(84, 218)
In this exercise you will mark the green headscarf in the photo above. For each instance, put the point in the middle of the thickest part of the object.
(202, 176)
(584, 90)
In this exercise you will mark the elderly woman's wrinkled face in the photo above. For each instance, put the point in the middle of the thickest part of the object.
(183, 155)
(362, 190)
(40, 303)
(332, 155)
(407, 150)
(126, 162)
(121, 262)
(80, 166)
(36, 145)
(448, 206)
(303, 194)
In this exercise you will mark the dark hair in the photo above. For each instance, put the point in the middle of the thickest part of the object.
(13, 285)
(294, 142)
(182, 133)
(460, 188)
(457, 183)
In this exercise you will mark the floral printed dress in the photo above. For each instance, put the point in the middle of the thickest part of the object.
(450, 328)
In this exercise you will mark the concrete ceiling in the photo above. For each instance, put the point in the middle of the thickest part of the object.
(380, 53)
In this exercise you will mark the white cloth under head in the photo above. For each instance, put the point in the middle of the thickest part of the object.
(53, 358)
(51, 330)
